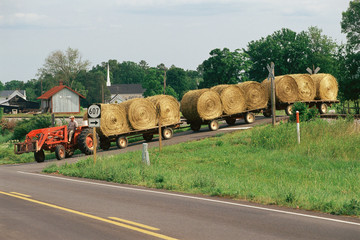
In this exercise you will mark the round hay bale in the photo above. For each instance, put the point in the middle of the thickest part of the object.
(306, 87)
(203, 104)
(113, 120)
(255, 94)
(286, 88)
(232, 98)
(141, 113)
(326, 86)
(168, 107)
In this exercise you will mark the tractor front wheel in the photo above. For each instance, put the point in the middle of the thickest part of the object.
(60, 152)
(39, 156)
(86, 141)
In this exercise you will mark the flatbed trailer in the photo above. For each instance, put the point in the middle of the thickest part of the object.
(322, 105)
(213, 124)
(121, 140)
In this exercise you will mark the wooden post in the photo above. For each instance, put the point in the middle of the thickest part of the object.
(94, 143)
(160, 137)
(271, 78)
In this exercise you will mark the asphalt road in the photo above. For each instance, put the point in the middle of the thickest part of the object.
(39, 206)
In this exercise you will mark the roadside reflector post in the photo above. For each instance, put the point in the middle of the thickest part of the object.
(94, 143)
(298, 127)
(145, 154)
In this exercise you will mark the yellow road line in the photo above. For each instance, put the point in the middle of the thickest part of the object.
(21, 194)
(91, 216)
(135, 223)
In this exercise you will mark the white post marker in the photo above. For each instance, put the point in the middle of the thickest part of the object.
(298, 127)
(145, 154)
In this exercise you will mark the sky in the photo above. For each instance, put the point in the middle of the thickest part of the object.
(173, 32)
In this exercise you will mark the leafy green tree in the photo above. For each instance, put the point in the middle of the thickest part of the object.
(153, 82)
(1, 86)
(14, 85)
(350, 24)
(224, 67)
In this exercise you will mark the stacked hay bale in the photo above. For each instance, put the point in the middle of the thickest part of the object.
(232, 98)
(203, 104)
(168, 109)
(256, 95)
(141, 113)
(306, 87)
(286, 90)
(326, 86)
(113, 119)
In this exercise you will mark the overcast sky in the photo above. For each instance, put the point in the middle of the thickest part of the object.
(173, 32)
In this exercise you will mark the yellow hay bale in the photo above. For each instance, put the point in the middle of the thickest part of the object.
(286, 88)
(168, 107)
(232, 98)
(306, 87)
(326, 86)
(113, 120)
(256, 95)
(141, 113)
(203, 104)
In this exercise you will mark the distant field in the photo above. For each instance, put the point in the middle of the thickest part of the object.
(263, 165)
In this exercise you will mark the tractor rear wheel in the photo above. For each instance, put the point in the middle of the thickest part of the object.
(60, 152)
(86, 141)
(39, 156)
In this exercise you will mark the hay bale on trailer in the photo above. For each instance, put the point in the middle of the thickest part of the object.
(326, 86)
(113, 120)
(141, 113)
(306, 87)
(168, 107)
(232, 98)
(256, 95)
(286, 88)
(203, 104)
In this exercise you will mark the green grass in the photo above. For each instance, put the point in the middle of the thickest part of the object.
(263, 165)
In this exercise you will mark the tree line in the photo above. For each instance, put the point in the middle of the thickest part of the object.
(291, 52)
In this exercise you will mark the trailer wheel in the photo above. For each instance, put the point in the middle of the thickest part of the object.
(86, 141)
(148, 137)
(39, 156)
(121, 142)
(167, 133)
(230, 121)
(249, 117)
(288, 109)
(60, 152)
(195, 126)
(105, 144)
(214, 125)
(267, 113)
(323, 108)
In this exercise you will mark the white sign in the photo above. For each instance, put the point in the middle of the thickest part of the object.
(94, 122)
(94, 111)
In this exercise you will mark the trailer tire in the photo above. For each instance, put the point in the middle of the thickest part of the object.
(148, 137)
(195, 126)
(323, 108)
(86, 141)
(60, 152)
(105, 143)
(230, 121)
(288, 109)
(214, 125)
(249, 117)
(39, 156)
(122, 142)
(167, 133)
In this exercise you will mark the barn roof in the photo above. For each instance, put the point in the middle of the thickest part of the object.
(126, 89)
(56, 89)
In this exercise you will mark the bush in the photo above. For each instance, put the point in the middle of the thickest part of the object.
(23, 127)
(305, 113)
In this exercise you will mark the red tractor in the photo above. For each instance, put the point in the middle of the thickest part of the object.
(55, 139)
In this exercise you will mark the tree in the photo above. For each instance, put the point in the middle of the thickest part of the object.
(350, 24)
(224, 67)
(64, 65)
(1, 86)
(14, 85)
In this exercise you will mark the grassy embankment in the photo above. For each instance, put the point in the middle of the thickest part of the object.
(263, 165)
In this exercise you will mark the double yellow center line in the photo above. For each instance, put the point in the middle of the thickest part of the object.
(117, 221)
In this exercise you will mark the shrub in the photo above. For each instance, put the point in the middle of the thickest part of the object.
(305, 113)
(23, 127)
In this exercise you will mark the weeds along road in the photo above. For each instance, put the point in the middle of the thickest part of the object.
(39, 206)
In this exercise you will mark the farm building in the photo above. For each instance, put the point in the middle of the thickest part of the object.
(122, 92)
(14, 101)
(61, 99)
